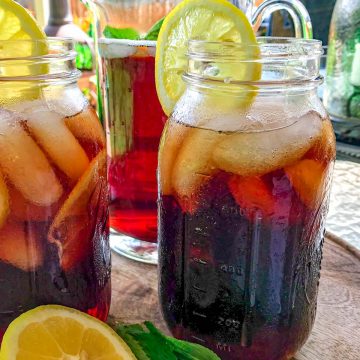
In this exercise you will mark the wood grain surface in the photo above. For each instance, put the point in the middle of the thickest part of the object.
(336, 334)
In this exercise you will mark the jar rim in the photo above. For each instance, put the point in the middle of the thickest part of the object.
(270, 46)
(57, 43)
(122, 48)
(271, 62)
(56, 54)
(128, 42)
(253, 86)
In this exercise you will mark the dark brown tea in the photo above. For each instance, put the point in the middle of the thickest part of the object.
(53, 211)
(241, 235)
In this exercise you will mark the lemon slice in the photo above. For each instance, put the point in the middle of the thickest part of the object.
(210, 20)
(73, 225)
(16, 24)
(56, 332)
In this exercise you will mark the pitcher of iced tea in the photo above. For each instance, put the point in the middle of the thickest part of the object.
(133, 117)
(244, 177)
(53, 190)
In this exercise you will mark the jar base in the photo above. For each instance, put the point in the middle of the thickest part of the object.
(138, 250)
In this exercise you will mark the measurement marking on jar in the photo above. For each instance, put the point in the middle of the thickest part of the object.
(198, 314)
(198, 339)
(199, 289)
(229, 323)
(231, 269)
(199, 261)
(223, 347)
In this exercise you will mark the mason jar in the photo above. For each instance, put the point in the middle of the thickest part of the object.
(53, 190)
(342, 88)
(245, 168)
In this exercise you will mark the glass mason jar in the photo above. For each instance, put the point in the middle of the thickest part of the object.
(244, 178)
(134, 117)
(342, 90)
(53, 190)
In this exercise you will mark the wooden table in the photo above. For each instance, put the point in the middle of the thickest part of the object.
(336, 335)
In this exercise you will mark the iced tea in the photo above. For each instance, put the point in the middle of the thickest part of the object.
(53, 191)
(135, 121)
(241, 232)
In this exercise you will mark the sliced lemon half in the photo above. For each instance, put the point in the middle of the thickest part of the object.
(210, 20)
(73, 225)
(57, 332)
(18, 28)
(16, 23)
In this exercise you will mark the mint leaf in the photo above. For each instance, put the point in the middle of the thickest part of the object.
(124, 33)
(183, 350)
(153, 33)
(143, 344)
(148, 343)
(134, 346)
(131, 34)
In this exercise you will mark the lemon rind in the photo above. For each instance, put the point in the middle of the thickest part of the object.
(9, 347)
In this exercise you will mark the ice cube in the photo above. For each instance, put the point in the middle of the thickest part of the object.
(72, 227)
(86, 126)
(66, 102)
(51, 132)
(218, 111)
(252, 193)
(24, 164)
(328, 140)
(23, 210)
(193, 166)
(257, 153)
(307, 177)
(170, 144)
(20, 247)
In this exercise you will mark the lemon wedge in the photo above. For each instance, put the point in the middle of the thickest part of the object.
(56, 332)
(16, 23)
(18, 29)
(73, 220)
(210, 20)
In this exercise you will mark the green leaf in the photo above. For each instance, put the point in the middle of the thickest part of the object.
(153, 33)
(185, 349)
(189, 351)
(135, 347)
(148, 343)
(124, 33)
(145, 345)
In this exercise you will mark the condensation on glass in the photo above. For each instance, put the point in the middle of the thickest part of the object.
(245, 169)
(53, 189)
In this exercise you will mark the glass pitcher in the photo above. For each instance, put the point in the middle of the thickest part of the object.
(54, 234)
(244, 182)
(134, 118)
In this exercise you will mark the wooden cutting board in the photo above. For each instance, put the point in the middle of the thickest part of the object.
(336, 334)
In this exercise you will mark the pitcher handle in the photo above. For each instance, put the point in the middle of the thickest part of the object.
(300, 16)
